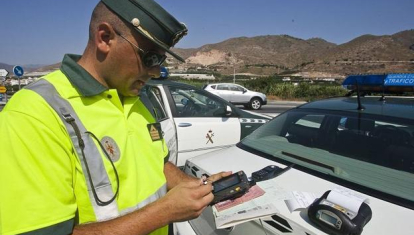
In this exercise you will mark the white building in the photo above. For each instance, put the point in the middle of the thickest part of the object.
(194, 76)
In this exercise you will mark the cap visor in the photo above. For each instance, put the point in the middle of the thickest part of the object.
(167, 49)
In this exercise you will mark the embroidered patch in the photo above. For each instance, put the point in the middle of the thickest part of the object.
(111, 148)
(155, 131)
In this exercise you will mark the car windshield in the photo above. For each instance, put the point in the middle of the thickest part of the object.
(374, 151)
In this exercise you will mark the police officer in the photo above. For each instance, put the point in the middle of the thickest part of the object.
(80, 153)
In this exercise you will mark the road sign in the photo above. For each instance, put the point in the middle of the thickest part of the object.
(164, 73)
(18, 71)
(3, 73)
(3, 89)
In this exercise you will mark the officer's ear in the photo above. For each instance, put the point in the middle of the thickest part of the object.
(103, 37)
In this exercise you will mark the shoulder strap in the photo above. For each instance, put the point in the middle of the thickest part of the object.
(96, 177)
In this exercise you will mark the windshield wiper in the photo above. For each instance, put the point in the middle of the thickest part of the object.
(333, 169)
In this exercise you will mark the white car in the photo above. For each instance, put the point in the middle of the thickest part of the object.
(362, 147)
(238, 95)
(194, 121)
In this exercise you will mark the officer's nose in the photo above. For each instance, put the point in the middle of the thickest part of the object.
(154, 72)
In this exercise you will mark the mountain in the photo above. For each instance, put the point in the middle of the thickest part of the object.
(48, 68)
(7, 67)
(274, 54)
(369, 54)
(26, 68)
(280, 50)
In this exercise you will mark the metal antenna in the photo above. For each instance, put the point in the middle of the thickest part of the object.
(383, 90)
(360, 107)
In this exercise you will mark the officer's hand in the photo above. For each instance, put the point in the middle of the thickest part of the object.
(187, 200)
(218, 176)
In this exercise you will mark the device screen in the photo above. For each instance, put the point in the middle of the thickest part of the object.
(220, 185)
(327, 218)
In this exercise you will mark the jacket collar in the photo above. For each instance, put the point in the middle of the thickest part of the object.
(83, 81)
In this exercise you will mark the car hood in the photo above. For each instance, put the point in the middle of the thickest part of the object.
(386, 216)
(255, 93)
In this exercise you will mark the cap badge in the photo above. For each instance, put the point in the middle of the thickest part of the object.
(135, 22)
(179, 35)
(111, 148)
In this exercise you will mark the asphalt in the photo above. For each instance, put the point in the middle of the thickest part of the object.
(285, 102)
(274, 102)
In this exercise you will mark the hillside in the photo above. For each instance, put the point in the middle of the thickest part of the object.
(26, 68)
(275, 54)
(281, 50)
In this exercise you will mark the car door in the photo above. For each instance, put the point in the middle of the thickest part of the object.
(223, 91)
(237, 94)
(154, 99)
(201, 122)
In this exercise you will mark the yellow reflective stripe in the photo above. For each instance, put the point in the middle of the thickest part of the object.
(152, 198)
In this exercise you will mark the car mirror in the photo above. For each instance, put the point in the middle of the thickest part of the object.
(184, 101)
(225, 111)
(229, 111)
(244, 91)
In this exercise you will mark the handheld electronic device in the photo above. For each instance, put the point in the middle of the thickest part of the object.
(334, 219)
(230, 187)
(268, 172)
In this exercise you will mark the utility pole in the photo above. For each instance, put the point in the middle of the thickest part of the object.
(234, 74)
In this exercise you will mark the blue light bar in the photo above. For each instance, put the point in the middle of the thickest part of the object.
(399, 79)
(364, 80)
(389, 83)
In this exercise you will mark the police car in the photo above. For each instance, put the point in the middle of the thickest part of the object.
(194, 121)
(357, 145)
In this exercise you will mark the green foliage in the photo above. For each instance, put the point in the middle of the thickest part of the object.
(194, 82)
(273, 86)
(303, 91)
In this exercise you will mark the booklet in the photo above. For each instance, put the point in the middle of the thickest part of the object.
(229, 220)
(232, 212)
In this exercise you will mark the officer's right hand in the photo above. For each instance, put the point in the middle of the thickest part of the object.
(188, 200)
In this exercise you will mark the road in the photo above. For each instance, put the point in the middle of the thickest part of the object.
(273, 108)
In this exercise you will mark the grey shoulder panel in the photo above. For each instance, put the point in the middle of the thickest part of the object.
(63, 228)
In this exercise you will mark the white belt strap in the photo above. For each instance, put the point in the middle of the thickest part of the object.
(98, 174)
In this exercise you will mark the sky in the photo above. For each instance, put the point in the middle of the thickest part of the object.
(42, 31)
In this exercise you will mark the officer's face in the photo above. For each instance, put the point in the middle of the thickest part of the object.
(131, 73)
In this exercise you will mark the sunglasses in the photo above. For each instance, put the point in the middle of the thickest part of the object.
(149, 58)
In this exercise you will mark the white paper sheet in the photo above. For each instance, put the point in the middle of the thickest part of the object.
(300, 200)
(347, 199)
(344, 197)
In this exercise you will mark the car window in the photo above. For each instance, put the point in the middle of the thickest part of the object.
(312, 120)
(151, 97)
(372, 150)
(194, 103)
(223, 87)
(235, 88)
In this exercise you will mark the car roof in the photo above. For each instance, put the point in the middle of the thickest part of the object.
(169, 83)
(224, 83)
(402, 107)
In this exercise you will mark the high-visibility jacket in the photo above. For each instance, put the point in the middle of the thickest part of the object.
(44, 184)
